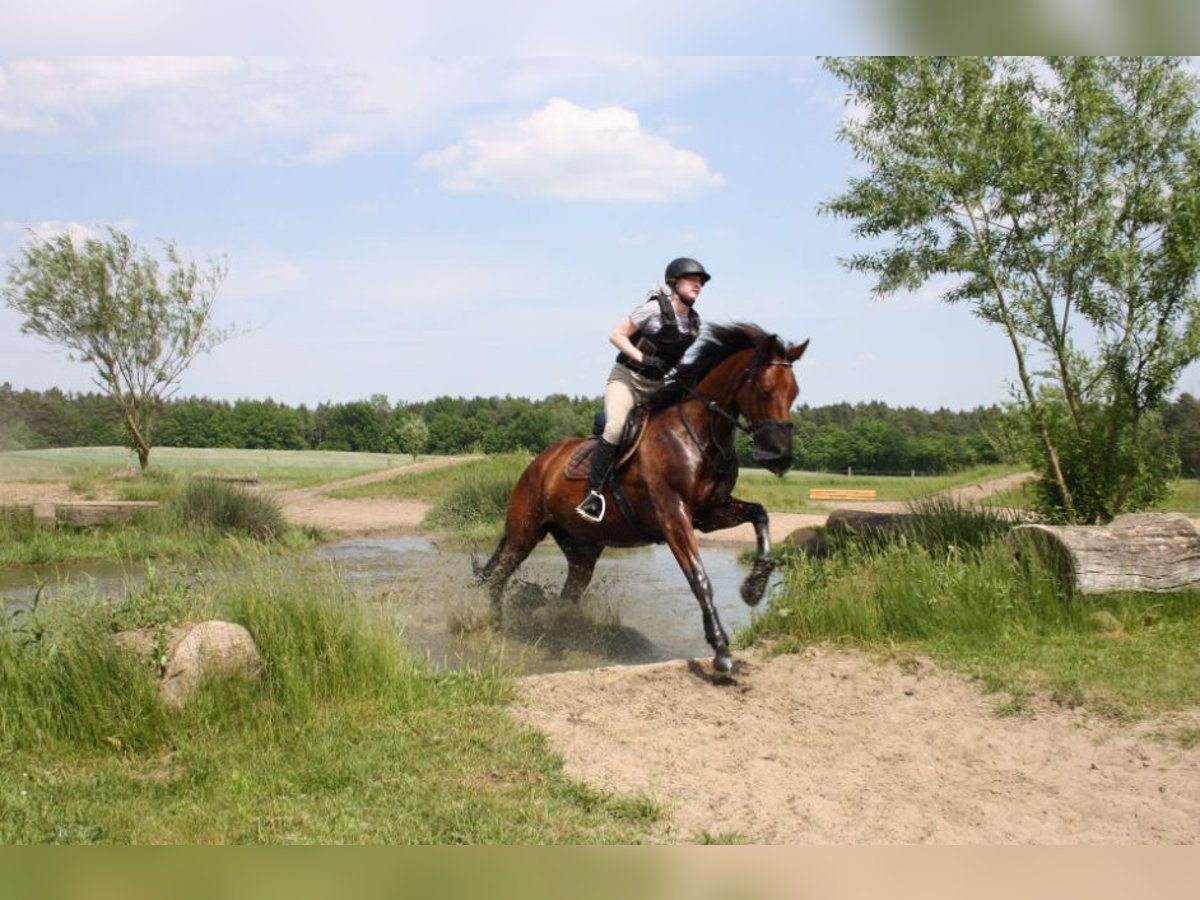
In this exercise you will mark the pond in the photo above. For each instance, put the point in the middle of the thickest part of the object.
(638, 608)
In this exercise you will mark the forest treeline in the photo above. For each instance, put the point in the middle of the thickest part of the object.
(863, 437)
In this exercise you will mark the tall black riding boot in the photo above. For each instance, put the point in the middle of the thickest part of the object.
(592, 508)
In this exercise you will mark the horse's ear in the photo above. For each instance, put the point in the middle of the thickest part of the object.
(797, 351)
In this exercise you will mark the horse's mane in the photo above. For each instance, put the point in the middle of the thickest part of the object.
(718, 343)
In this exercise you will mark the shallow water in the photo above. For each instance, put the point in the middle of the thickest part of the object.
(638, 608)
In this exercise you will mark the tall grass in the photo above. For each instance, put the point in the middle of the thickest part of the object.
(65, 680)
(474, 497)
(230, 508)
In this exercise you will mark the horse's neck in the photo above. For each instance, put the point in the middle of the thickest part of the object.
(722, 383)
(719, 387)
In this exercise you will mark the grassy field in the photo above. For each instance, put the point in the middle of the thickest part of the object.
(790, 493)
(276, 468)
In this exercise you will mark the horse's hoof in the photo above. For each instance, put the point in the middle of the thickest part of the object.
(753, 589)
(722, 663)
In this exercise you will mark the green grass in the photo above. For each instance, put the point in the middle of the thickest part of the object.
(343, 739)
(195, 519)
(276, 468)
(1184, 497)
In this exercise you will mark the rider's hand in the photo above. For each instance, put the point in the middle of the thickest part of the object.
(654, 364)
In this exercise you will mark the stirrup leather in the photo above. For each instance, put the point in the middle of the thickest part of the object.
(592, 497)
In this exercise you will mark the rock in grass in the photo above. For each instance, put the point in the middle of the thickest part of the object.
(194, 652)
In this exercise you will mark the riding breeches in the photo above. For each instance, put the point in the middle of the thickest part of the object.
(624, 389)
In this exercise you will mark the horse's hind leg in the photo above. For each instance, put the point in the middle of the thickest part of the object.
(499, 569)
(581, 563)
(483, 574)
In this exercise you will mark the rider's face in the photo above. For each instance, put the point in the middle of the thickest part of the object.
(688, 287)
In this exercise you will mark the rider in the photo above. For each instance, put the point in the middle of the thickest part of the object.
(652, 339)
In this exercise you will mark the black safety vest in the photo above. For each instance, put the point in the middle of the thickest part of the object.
(669, 343)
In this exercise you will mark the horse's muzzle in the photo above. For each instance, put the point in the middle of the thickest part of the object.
(773, 445)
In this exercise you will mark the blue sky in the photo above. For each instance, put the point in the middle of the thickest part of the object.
(419, 226)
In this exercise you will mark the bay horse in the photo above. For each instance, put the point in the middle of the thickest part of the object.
(680, 478)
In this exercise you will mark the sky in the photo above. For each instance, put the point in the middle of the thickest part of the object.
(473, 225)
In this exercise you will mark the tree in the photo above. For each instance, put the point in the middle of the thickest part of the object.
(410, 434)
(1062, 200)
(111, 306)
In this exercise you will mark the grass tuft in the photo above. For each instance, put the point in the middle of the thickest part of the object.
(230, 508)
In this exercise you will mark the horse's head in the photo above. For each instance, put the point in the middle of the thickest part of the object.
(766, 399)
(739, 371)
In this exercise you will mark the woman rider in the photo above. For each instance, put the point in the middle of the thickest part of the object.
(652, 339)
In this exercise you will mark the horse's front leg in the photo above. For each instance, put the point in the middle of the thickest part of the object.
(730, 514)
(682, 541)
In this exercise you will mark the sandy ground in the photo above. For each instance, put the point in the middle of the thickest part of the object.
(831, 746)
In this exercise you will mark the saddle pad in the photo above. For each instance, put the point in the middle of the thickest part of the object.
(580, 464)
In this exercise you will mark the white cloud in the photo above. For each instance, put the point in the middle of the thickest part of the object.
(313, 109)
(333, 147)
(570, 152)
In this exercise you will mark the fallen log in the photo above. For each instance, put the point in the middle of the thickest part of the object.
(1154, 552)
(866, 522)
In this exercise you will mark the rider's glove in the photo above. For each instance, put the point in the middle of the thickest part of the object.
(654, 364)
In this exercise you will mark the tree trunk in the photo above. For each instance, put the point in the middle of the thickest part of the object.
(1136, 552)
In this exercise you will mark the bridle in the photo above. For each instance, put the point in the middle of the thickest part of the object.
(751, 428)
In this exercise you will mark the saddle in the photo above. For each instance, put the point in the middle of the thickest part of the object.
(579, 464)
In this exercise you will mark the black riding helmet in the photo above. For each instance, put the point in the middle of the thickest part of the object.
(677, 268)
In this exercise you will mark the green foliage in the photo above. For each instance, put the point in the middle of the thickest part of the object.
(1110, 466)
(1181, 420)
(208, 503)
(410, 435)
(107, 302)
(1065, 203)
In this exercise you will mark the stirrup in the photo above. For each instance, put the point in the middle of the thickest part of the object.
(587, 508)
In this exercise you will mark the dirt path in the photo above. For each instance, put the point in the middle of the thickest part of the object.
(312, 506)
(831, 747)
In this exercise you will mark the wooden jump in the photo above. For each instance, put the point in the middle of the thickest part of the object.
(840, 494)
(79, 512)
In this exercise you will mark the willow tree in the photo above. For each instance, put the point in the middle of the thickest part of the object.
(1060, 198)
(112, 305)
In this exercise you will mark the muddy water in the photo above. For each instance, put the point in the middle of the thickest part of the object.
(637, 609)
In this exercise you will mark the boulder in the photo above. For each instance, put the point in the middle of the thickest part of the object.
(194, 652)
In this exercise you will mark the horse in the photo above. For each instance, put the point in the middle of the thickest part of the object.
(680, 477)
